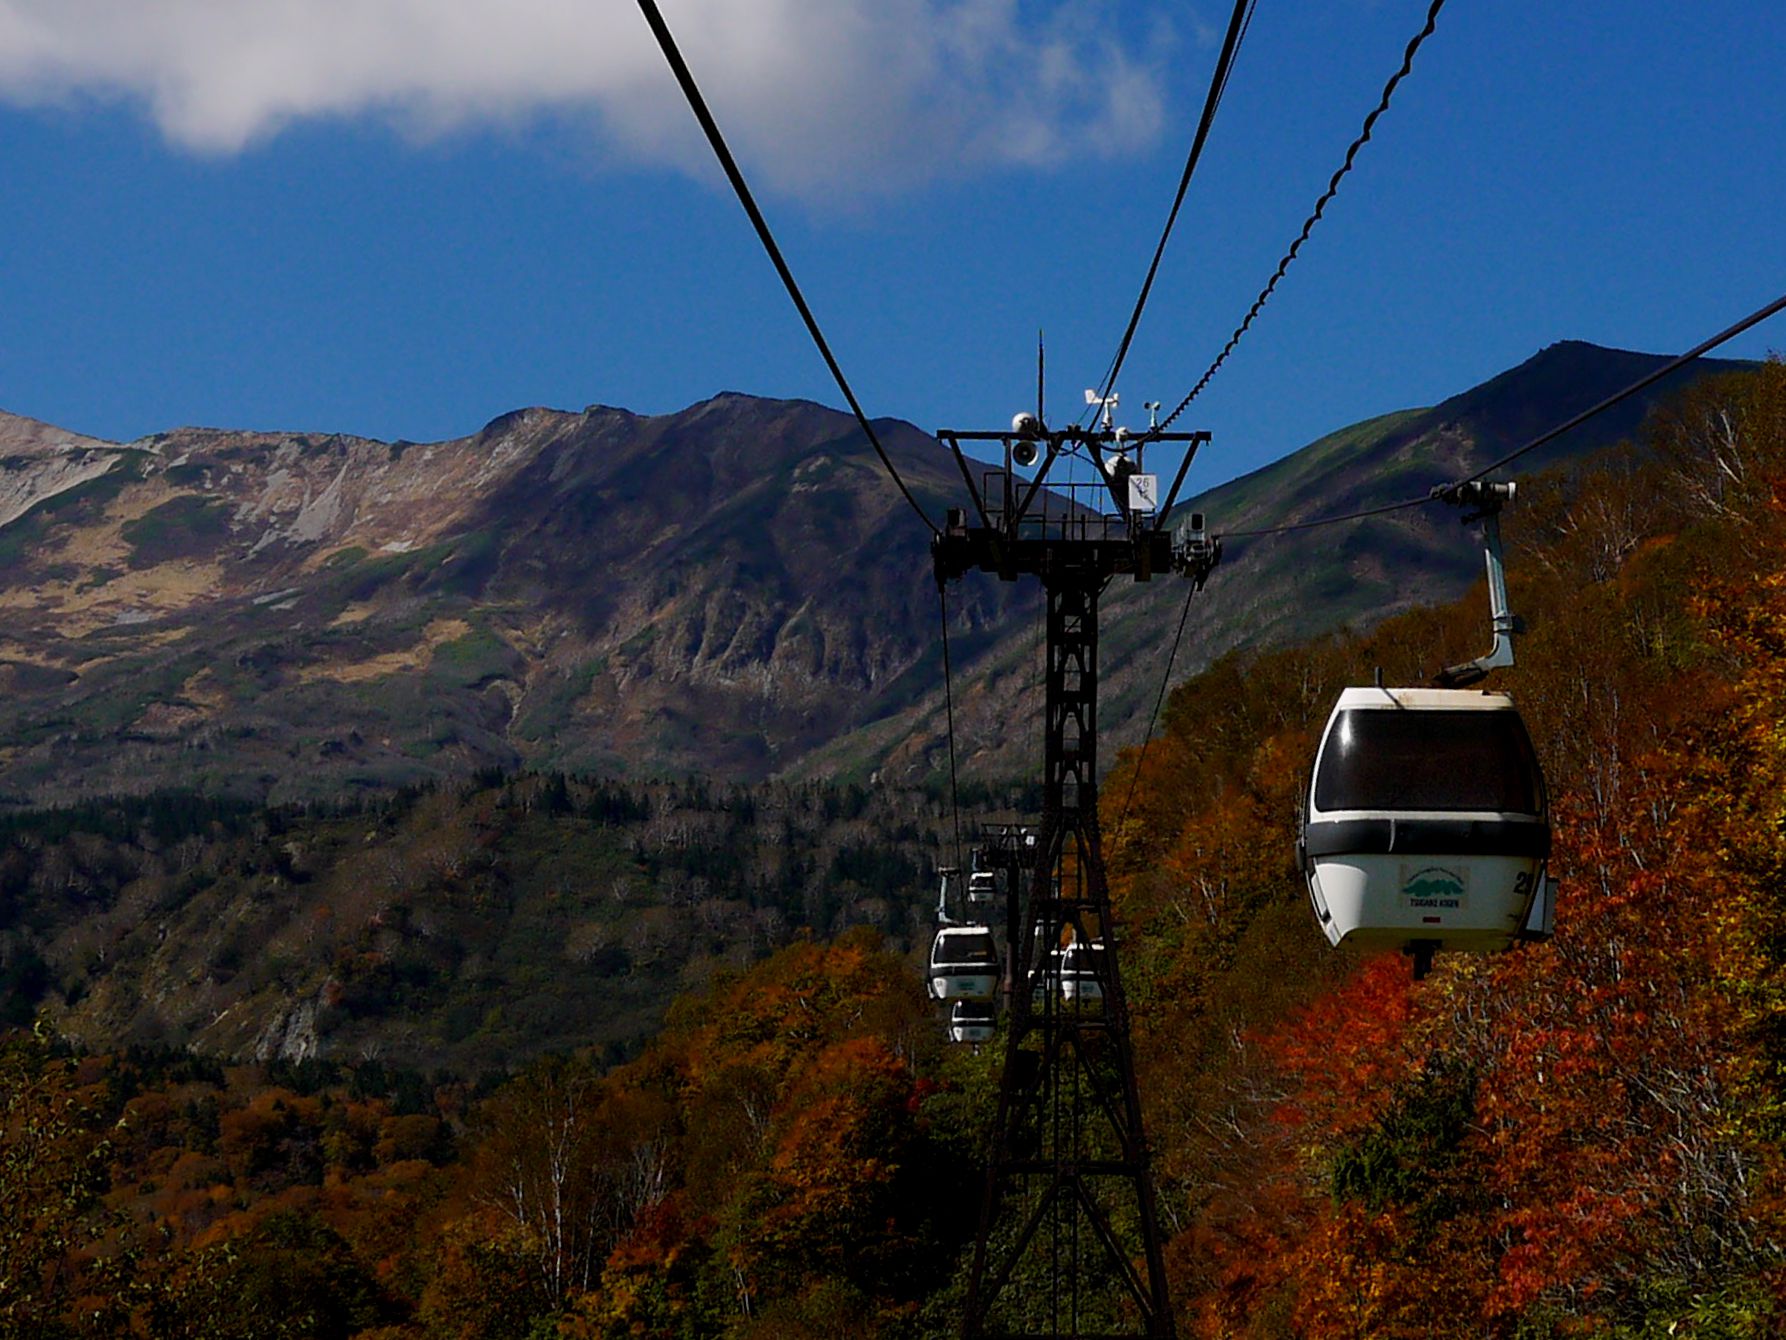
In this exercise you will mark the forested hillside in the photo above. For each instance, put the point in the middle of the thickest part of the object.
(786, 1159)
(465, 928)
(1579, 1138)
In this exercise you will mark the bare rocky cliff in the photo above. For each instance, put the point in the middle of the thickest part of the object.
(281, 615)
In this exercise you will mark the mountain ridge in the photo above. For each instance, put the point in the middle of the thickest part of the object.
(731, 588)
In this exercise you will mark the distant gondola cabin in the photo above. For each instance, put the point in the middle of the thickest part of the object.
(971, 1021)
(1083, 965)
(963, 964)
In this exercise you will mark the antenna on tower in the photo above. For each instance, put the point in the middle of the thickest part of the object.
(1041, 418)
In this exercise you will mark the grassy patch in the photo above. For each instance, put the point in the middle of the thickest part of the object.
(549, 705)
(19, 539)
(181, 527)
(467, 563)
(354, 576)
(478, 656)
(123, 693)
(25, 534)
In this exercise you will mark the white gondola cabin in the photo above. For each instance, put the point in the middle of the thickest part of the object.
(971, 1021)
(1426, 826)
(982, 887)
(1082, 968)
(963, 964)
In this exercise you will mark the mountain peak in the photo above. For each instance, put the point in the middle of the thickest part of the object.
(1557, 383)
(520, 418)
(22, 436)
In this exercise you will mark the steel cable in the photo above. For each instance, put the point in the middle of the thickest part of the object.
(1754, 318)
(1238, 23)
(1308, 226)
(1327, 520)
(1699, 350)
(698, 105)
(1165, 684)
(942, 598)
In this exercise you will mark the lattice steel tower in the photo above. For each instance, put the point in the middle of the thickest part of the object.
(1069, 1240)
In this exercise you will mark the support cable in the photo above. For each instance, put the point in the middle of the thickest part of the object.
(698, 105)
(1432, 17)
(1754, 318)
(942, 600)
(1158, 702)
(1649, 379)
(1238, 23)
(1327, 520)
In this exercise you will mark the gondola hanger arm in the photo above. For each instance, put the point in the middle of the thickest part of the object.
(1486, 501)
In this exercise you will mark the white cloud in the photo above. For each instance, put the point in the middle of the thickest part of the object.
(815, 95)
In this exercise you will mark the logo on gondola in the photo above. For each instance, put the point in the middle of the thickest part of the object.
(1433, 887)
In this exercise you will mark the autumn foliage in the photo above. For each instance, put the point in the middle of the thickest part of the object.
(771, 1157)
(1578, 1138)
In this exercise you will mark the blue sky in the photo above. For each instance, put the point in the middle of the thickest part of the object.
(400, 219)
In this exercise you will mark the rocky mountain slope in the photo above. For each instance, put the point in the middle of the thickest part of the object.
(733, 589)
(282, 615)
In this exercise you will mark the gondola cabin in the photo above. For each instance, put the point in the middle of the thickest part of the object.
(1426, 826)
(1082, 968)
(982, 887)
(971, 1021)
(963, 964)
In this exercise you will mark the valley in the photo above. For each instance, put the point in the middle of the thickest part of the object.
(544, 1054)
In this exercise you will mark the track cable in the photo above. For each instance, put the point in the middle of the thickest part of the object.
(1754, 318)
(942, 598)
(1238, 23)
(1438, 493)
(1308, 225)
(1158, 702)
(698, 105)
